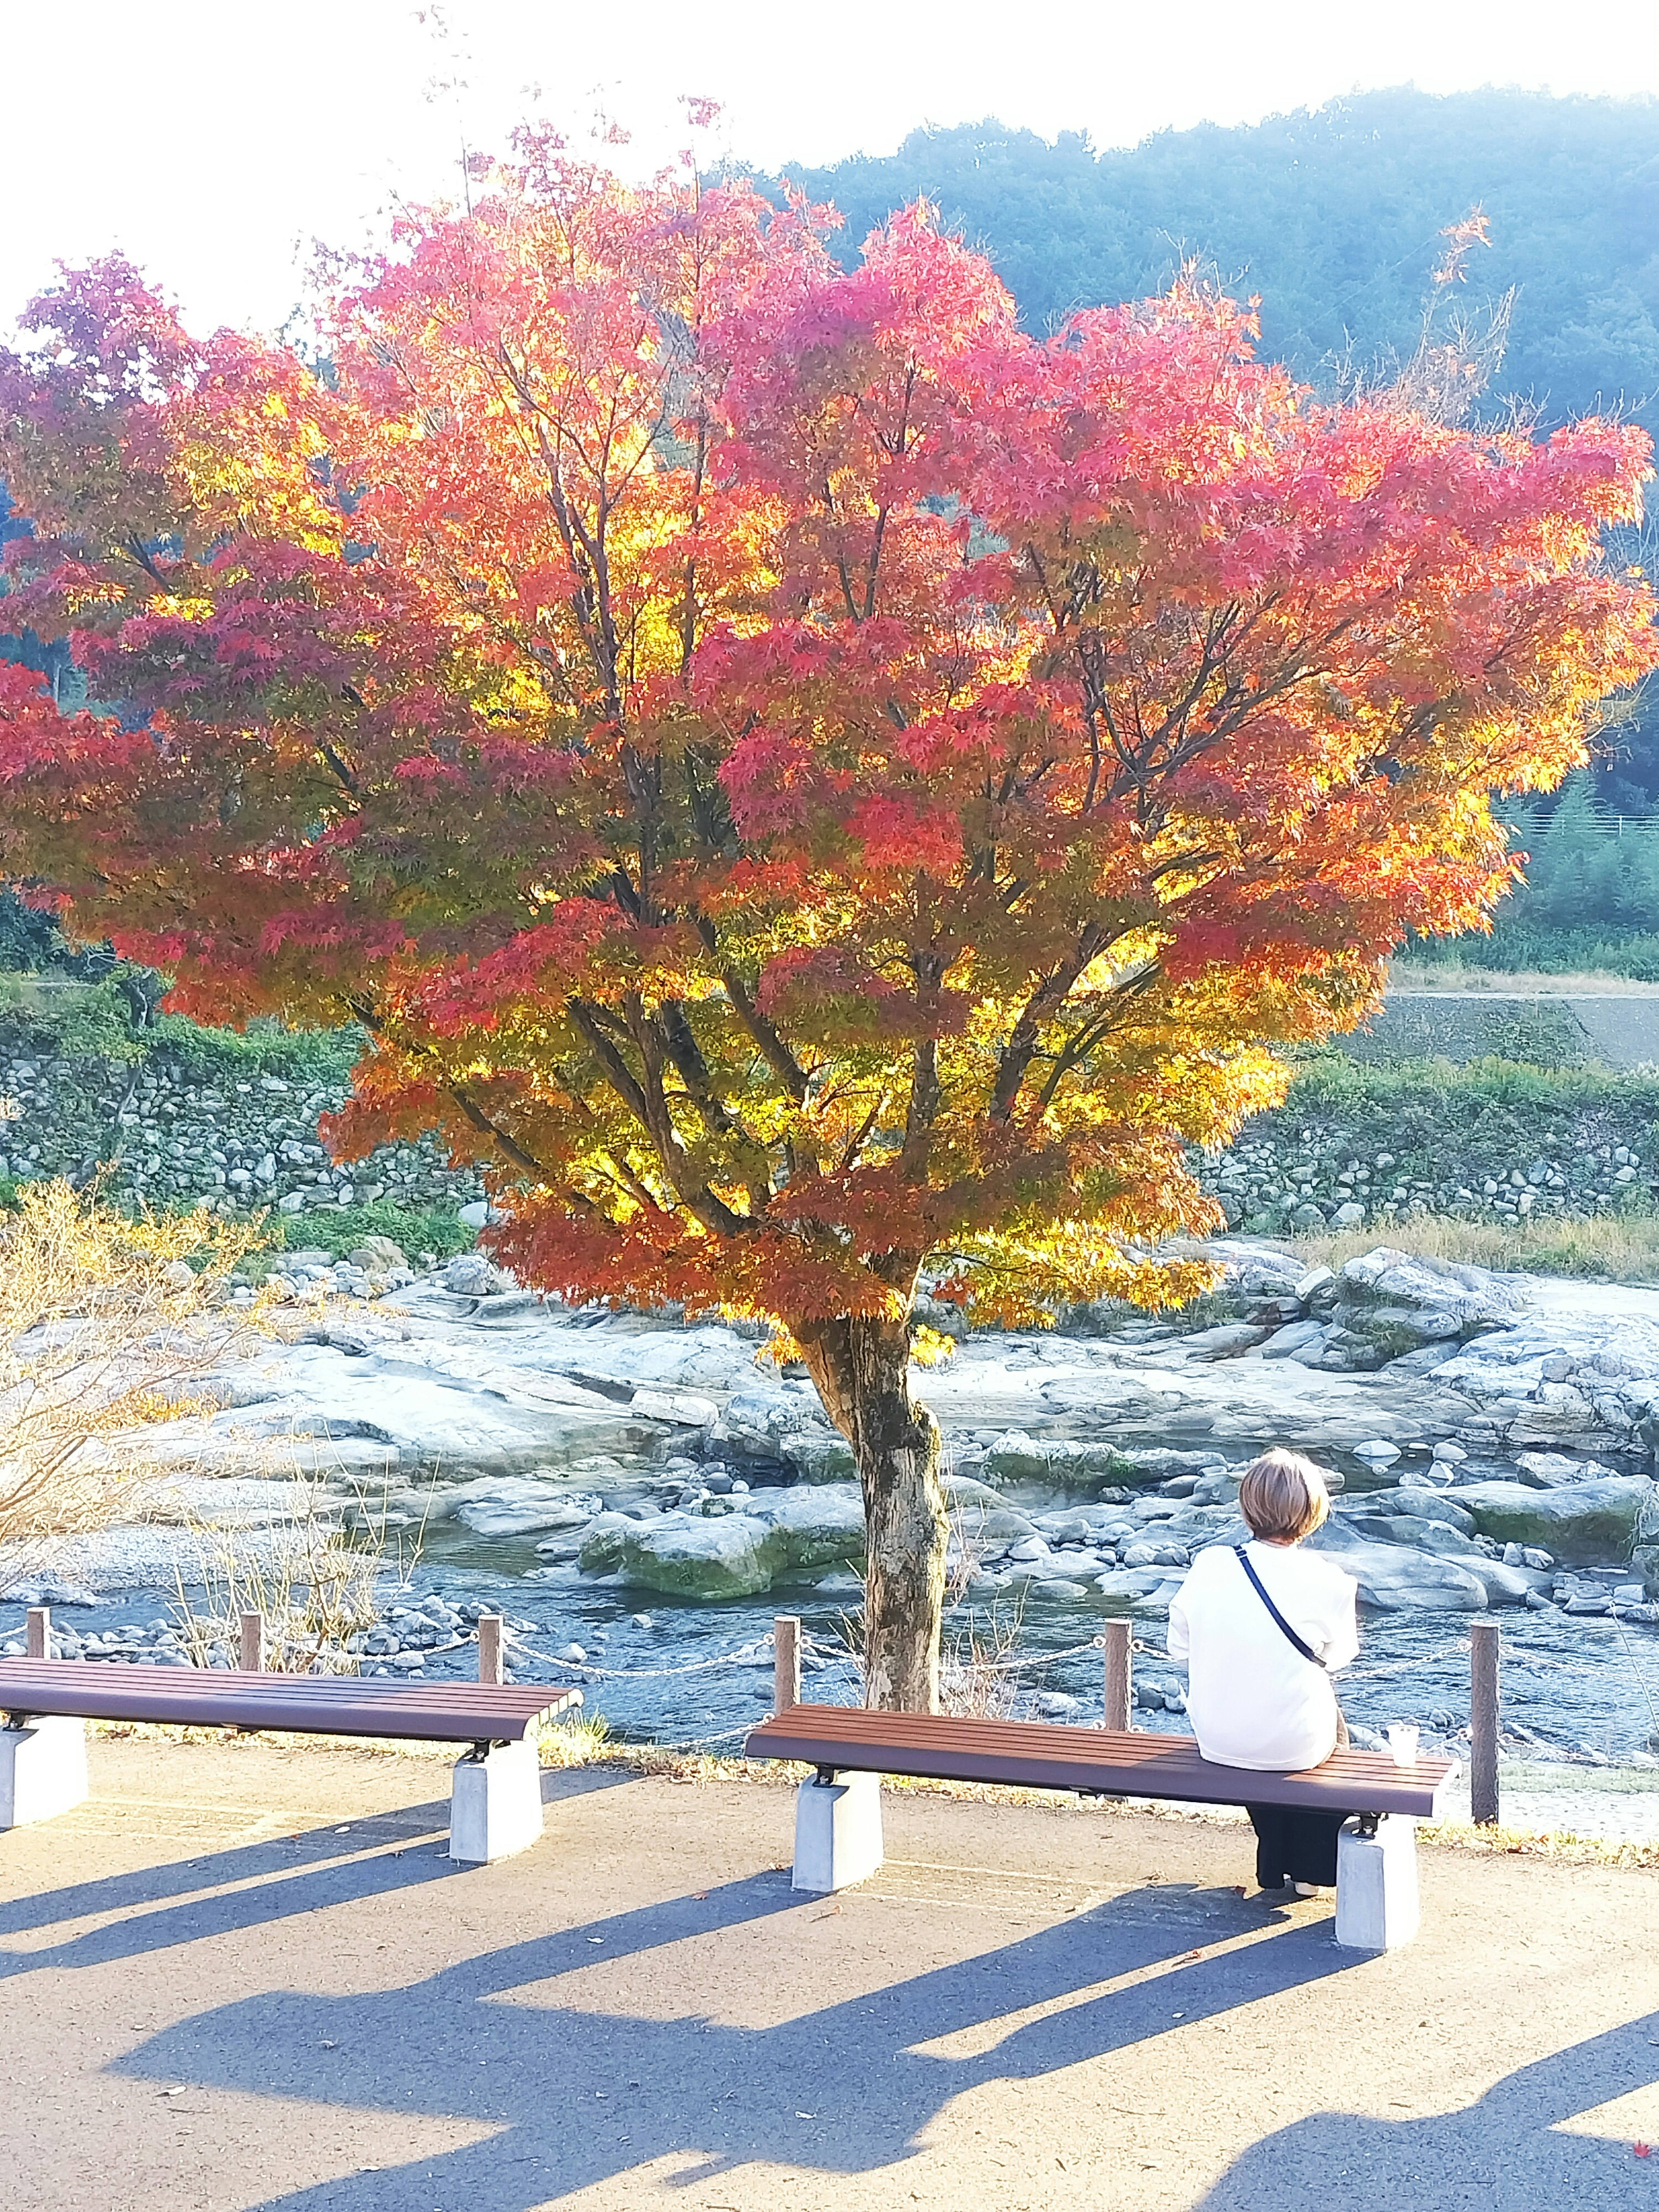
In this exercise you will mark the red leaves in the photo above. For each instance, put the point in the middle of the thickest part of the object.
(801, 775)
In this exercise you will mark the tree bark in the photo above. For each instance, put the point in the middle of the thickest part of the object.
(861, 1367)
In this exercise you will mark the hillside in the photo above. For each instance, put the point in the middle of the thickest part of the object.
(1334, 217)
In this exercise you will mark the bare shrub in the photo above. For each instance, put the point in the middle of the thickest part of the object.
(107, 1326)
(315, 1580)
(975, 1682)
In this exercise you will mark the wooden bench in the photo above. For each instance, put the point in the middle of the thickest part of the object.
(838, 1837)
(495, 1808)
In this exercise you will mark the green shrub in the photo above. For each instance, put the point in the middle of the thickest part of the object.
(338, 1229)
(305, 1058)
(70, 1021)
(1329, 1081)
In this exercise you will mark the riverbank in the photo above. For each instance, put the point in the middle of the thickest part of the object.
(253, 1981)
(639, 1496)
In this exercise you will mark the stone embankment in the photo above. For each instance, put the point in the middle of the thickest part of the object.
(243, 1141)
(1372, 1168)
(236, 1144)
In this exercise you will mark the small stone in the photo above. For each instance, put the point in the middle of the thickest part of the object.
(1452, 1454)
(575, 1653)
(1378, 1452)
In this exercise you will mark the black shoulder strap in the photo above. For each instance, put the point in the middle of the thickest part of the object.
(1306, 1650)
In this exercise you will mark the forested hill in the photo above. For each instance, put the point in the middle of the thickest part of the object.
(1334, 218)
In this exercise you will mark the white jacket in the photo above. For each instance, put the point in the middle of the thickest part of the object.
(1253, 1700)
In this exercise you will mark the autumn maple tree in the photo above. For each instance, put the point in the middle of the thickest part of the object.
(816, 785)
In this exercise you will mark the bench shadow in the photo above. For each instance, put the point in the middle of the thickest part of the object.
(1505, 2151)
(270, 1857)
(483, 2040)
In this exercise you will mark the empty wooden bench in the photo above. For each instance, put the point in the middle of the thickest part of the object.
(497, 1804)
(838, 1837)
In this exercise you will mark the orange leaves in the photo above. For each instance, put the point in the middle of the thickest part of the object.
(805, 777)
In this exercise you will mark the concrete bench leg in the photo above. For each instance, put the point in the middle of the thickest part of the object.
(837, 1831)
(1376, 1907)
(43, 1770)
(496, 1809)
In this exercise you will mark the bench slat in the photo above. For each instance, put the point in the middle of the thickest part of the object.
(1041, 1756)
(313, 1704)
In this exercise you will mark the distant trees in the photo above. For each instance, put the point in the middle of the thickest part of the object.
(1333, 217)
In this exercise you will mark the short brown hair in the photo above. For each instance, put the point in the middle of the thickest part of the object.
(1282, 1494)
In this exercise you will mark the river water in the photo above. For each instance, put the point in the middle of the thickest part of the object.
(699, 1675)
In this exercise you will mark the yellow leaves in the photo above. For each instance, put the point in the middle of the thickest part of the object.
(929, 1347)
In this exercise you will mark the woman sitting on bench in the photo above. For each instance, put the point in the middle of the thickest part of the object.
(1262, 1628)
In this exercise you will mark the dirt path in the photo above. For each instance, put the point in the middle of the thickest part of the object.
(247, 1977)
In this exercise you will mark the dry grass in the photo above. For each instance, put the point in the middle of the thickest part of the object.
(1511, 982)
(1561, 1845)
(107, 1325)
(1617, 1249)
(314, 1580)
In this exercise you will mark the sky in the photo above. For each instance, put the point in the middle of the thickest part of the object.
(213, 142)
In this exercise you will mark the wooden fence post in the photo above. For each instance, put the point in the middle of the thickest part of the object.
(38, 1632)
(786, 1664)
(491, 1663)
(251, 1658)
(1119, 1688)
(1483, 1723)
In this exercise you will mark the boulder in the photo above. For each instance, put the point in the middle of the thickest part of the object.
(470, 1275)
(1017, 1458)
(1470, 1298)
(377, 1255)
(1394, 1579)
(1224, 1341)
(1589, 1522)
(519, 1505)
(819, 1456)
(1137, 1589)
(1417, 1505)
(1507, 1583)
(681, 1408)
(1296, 1338)
(1554, 1470)
(686, 1554)
(1644, 1552)
(819, 1526)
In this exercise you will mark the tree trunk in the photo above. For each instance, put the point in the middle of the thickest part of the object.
(861, 1367)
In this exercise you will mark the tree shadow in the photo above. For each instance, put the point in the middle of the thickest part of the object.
(573, 2095)
(1505, 2152)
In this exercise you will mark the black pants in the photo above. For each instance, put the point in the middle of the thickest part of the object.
(1294, 1846)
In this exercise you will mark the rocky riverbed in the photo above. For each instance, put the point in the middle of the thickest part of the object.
(639, 1496)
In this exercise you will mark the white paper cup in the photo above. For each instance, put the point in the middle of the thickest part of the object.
(1402, 1742)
